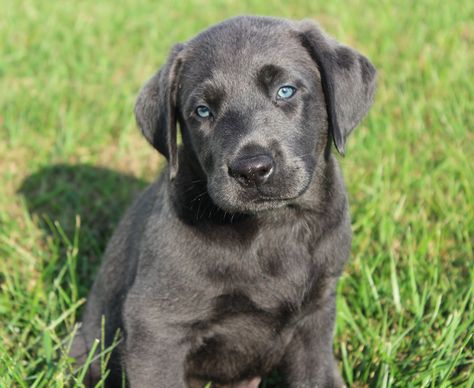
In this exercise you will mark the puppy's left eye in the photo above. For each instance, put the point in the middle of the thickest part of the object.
(286, 92)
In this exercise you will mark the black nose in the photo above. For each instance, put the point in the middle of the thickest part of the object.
(252, 170)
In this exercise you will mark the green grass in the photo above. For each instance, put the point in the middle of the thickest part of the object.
(71, 160)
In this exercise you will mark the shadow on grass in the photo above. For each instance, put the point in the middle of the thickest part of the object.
(99, 196)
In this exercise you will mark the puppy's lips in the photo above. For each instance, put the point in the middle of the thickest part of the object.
(265, 201)
(266, 198)
(263, 196)
(257, 202)
(259, 195)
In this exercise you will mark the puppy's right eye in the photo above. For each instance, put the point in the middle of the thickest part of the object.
(203, 111)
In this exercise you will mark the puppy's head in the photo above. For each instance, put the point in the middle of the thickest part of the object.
(258, 101)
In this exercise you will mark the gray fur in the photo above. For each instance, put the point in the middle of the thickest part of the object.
(211, 278)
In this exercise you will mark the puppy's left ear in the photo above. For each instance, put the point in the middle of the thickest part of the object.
(155, 109)
(347, 77)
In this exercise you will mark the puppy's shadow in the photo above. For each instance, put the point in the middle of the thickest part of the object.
(99, 196)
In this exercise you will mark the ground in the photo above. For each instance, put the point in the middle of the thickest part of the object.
(71, 159)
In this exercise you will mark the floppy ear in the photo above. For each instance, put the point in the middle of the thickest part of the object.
(155, 109)
(347, 77)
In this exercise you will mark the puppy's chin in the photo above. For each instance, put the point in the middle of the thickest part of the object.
(233, 198)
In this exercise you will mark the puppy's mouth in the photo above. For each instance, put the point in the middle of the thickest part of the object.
(258, 183)
(253, 199)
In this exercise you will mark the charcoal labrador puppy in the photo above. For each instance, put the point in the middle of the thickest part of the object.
(226, 267)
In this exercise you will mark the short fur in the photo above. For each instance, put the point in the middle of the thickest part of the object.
(209, 278)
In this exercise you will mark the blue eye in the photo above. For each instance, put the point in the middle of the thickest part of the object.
(203, 111)
(286, 92)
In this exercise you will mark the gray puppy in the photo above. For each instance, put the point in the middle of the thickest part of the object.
(226, 267)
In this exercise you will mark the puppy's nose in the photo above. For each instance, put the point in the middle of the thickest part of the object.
(252, 170)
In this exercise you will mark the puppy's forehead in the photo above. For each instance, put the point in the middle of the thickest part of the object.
(243, 45)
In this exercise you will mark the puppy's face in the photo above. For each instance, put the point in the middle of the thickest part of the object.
(252, 110)
(256, 99)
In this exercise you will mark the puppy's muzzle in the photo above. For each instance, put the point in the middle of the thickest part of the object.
(252, 171)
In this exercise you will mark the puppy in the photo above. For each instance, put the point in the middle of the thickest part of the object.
(226, 267)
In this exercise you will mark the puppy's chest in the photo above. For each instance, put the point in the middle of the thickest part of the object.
(251, 313)
(274, 271)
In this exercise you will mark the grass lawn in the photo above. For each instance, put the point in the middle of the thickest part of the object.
(71, 160)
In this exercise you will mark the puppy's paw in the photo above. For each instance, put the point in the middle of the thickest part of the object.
(79, 351)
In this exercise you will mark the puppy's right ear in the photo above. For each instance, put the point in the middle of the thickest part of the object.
(155, 109)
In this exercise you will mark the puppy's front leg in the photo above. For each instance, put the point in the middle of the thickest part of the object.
(155, 362)
(309, 361)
